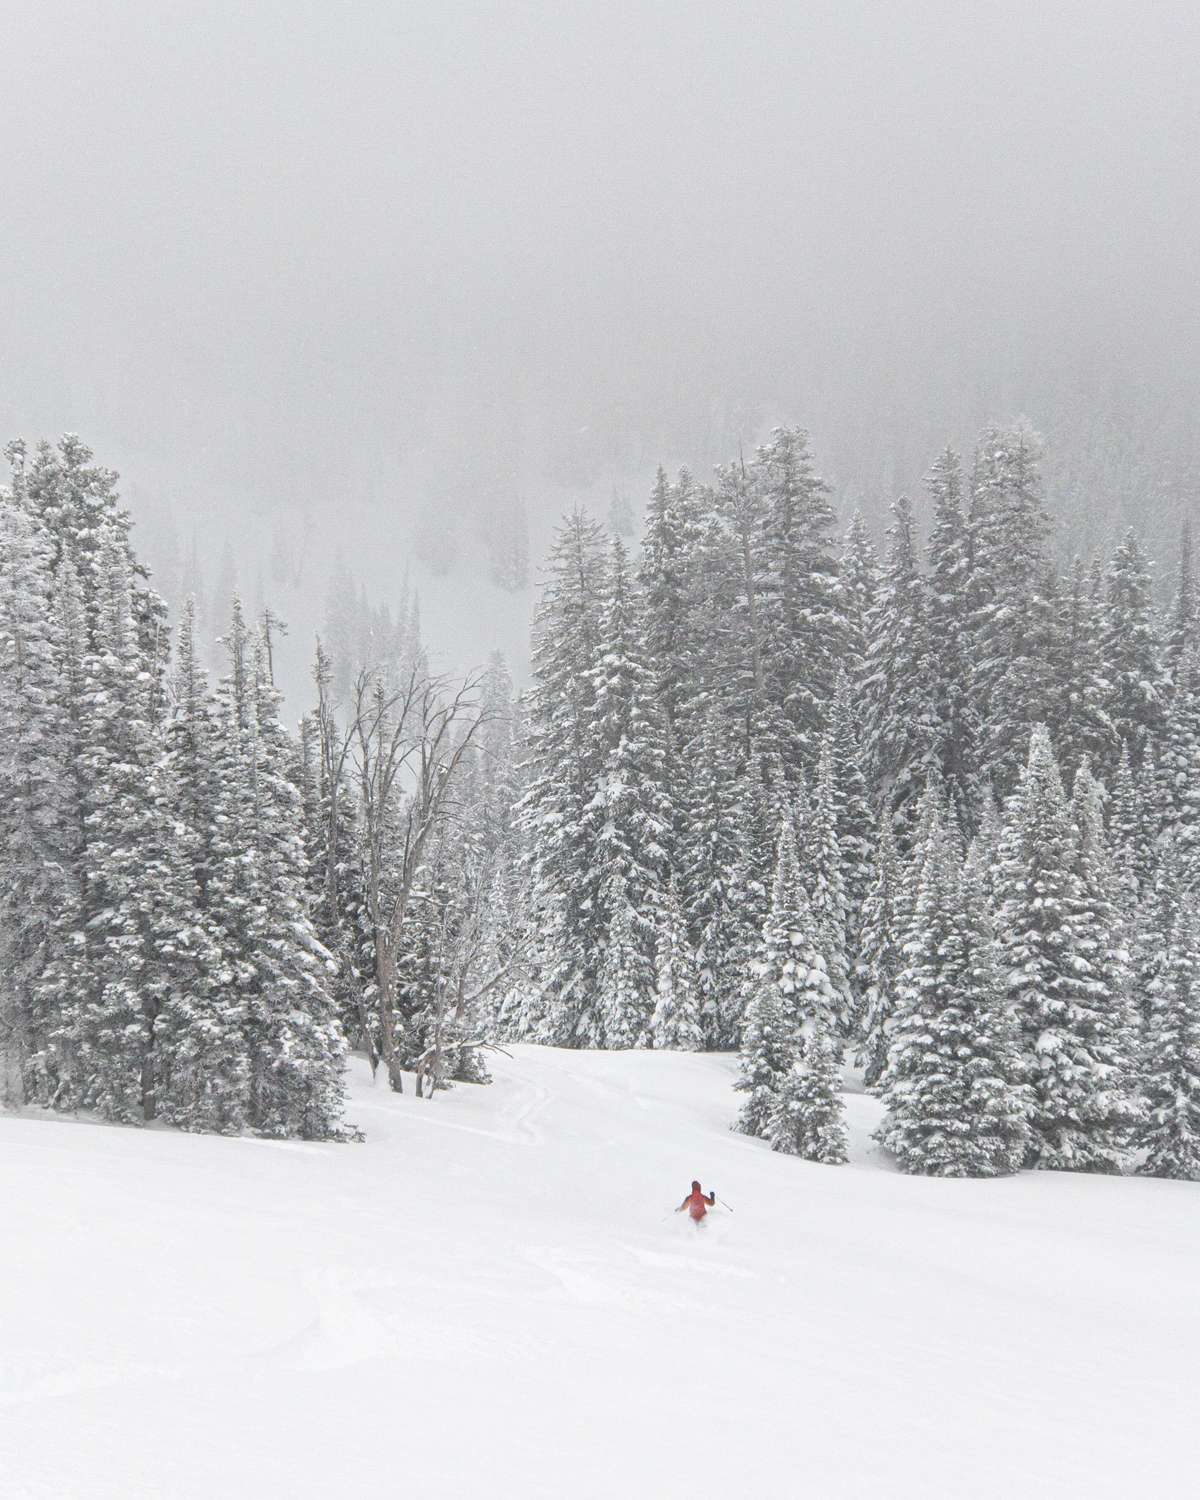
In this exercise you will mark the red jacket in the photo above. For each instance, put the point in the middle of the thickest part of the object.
(695, 1201)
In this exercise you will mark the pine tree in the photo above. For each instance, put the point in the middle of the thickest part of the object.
(859, 577)
(1181, 634)
(630, 818)
(146, 949)
(809, 1118)
(625, 1002)
(1130, 653)
(790, 995)
(955, 1107)
(664, 575)
(1077, 716)
(566, 761)
(1011, 617)
(1171, 1134)
(1176, 773)
(1053, 969)
(881, 956)
(899, 741)
(955, 722)
(34, 785)
(675, 1025)
(710, 857)
(803, 631)
(822, 873)
(293, 1045)
(855, 819)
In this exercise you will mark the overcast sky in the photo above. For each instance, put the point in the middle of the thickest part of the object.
(278, 248)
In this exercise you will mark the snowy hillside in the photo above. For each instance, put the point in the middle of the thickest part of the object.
(485, 1299)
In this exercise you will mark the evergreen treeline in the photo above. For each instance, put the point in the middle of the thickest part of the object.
(939, 813)
(198, 911)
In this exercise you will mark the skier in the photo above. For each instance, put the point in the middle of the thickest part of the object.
(694, 1203)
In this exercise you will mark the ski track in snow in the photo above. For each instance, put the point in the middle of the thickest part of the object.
(493, 1296)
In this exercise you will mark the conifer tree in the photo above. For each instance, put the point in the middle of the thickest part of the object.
(710, 858)
(955, 722)
(802, 624)
(855, 819)
(809, 1118)
(34, 785)
(293, 1045)
(822, 874)
(675, 1025)
(1130, 653)
(881, 956)
(625, 1002)
(630, 818)
(146, 949)
(1011, 619)
(1181, 633)
(1077, 715)
(790, 995)
(859, 577)
(1176, 773)
(566, 760)
(955, 1107)
(1053, 970)
(899, 743)
(1171, 1133)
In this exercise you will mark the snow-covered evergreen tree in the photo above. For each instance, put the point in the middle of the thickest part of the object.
(565, 762)
(675, 1024)
(1170, 1135)
(1129, 652)
(881, 956)
(955, 1105)
(1012, 621)
(293, 1045)
(626, 992)
(1054, 967)
(955, 724)
(790, 996)
(35, 802)
(710, 858)
(900, 736)
(809, 1118)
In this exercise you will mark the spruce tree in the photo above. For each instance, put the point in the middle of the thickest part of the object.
(955, 724)
(809, 1117)
(955, 1106)
(790, 996)
(710, 856)
(881, 957)
(675, 1024)
(293, 1045)
(1011, 619)
(1171, 1085)
(1053, 955)
(900, 748)
(566, 759)
(1129, 652)
(34, 785)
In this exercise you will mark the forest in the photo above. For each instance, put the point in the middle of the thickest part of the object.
(930, 811)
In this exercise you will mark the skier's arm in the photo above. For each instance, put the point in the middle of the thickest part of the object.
(711, 1199)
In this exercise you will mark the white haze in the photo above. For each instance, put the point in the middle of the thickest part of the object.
(333, 271)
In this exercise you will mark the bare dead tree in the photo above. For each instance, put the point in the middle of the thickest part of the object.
(407, 746)
(461, 949)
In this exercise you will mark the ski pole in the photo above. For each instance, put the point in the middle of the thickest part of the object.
(722, 1202)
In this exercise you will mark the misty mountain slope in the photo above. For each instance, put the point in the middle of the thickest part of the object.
(491, 1297)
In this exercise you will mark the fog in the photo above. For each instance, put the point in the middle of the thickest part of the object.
(322, 279)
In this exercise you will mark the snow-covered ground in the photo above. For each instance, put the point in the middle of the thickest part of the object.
(485, 1299)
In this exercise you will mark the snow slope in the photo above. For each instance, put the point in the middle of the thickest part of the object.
(485, 1299)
